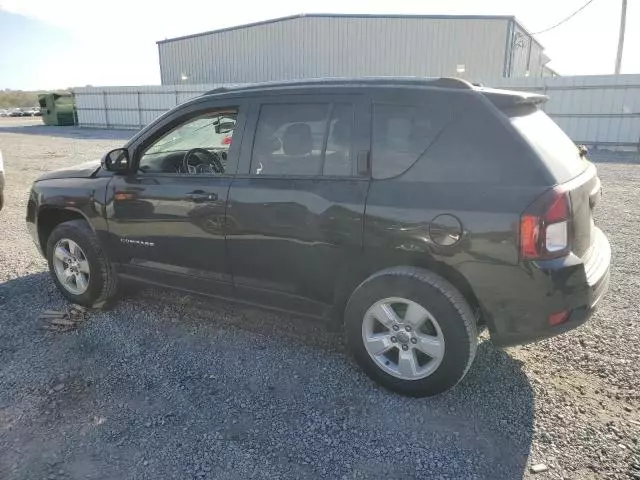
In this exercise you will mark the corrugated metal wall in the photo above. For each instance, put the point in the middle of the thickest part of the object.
(603, 110)
(326, 46)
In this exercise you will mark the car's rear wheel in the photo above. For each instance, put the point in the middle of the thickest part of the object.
(79, 267)
(411, 331)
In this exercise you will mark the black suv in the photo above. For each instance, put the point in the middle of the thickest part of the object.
(412, 210)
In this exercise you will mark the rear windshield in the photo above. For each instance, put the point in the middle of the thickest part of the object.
(548, 140)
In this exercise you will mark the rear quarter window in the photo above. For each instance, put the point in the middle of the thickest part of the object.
(478, 146)
(548, 140)
(402, 133)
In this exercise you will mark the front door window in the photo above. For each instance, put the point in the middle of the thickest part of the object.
(198, 146)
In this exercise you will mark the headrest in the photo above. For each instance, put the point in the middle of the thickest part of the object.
(297, 139)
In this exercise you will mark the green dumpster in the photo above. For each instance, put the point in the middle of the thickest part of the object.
(57, 108)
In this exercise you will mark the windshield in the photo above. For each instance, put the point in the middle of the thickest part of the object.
(207, 132)
(549, 141)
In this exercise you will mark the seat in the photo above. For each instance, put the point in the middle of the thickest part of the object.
(297, 140)
(297, 146)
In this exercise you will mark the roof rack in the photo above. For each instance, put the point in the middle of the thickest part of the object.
(218, 90)
(444, 82)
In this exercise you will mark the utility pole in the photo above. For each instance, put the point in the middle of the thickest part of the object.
(623, 21)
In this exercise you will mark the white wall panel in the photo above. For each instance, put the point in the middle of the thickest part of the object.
(90, 100)
(92, 118)
(122, 101)
(157, 101)
(124, 118)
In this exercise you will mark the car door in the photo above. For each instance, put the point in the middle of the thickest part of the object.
(166, 219)
(295, 209)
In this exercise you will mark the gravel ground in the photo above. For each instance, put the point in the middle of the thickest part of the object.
(168, 385)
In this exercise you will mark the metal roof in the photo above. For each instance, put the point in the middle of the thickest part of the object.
(339, 15)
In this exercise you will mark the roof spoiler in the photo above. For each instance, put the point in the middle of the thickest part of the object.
(512, 98)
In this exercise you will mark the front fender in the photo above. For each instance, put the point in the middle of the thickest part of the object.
(54, 201)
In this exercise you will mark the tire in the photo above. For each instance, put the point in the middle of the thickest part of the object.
(447, 331)
(102, 283)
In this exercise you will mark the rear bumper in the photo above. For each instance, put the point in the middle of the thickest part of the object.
(570, 283)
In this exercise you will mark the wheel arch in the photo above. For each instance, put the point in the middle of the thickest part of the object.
(355, 275)
(49, 217)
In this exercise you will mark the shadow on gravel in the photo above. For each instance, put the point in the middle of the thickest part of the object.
(168, 385)
(69, 132)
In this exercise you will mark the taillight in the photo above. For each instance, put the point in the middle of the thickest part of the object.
(544, 226)
(558, 318)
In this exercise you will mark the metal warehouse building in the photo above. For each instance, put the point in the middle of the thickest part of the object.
(478, 48)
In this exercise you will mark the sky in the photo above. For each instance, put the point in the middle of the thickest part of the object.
(71, 43)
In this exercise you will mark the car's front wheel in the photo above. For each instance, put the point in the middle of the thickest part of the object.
(79, 267)
(411, 331)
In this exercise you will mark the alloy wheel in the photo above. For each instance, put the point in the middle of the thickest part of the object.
(71, 266)
(403, 338)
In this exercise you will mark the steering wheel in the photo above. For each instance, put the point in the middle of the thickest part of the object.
(212, 159)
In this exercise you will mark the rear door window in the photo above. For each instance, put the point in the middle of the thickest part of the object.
(548, 140)
(401, 134)
(304, 140)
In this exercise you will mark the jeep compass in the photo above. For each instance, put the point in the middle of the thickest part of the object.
(409, 211)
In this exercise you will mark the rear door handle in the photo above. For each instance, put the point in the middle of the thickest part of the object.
(363, 161)
(199, 196)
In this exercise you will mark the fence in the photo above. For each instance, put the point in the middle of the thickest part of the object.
(602, 110)
(130, 107)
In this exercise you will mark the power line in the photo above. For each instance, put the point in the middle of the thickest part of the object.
(565, 20)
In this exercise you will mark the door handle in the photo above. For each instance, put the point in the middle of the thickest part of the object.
(363, 161)
(199, 196)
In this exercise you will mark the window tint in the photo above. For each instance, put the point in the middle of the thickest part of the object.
(553, 146)
(401, 134)
(210, 133)
(476, 147)
(303, 139)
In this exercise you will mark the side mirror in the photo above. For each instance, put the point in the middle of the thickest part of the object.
(225, 127)
(117, 160)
